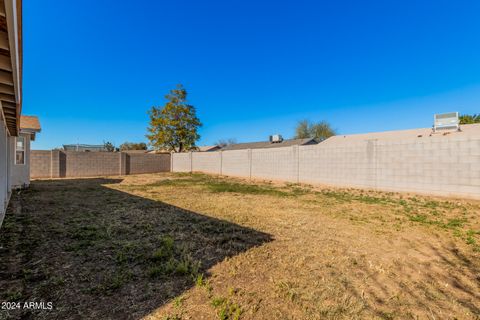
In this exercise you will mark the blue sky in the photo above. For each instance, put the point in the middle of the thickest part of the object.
(92, 69)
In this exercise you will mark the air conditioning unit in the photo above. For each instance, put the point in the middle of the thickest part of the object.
(276, 138)
(446, 121)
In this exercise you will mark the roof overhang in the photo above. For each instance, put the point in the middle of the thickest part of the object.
(11, 63)
(31, 133)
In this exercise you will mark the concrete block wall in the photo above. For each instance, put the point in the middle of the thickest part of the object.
(60, 164)
(440, 165)
(208, 162)
(182, 162)
(236, 163)
(40, 163)
(90, 164)
(148, 163)
(351, 165)
(275, 164)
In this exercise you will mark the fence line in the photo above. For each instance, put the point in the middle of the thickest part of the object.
(61, 164)
(438, 165)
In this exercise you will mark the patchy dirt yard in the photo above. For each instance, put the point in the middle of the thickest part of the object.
(182, 246)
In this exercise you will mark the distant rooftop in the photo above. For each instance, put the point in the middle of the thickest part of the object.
(84, 147)
(268, 144)
(135, 151)
(208, 148)
(422, 133)
(30, 123)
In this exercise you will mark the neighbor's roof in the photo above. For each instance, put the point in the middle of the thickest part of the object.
(208, 148)
(84, 146)
(268, 144)
(135, 151)
(422, 133)
(161, 151)
(30, 123)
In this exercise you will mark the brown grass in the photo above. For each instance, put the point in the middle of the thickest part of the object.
(182, 246)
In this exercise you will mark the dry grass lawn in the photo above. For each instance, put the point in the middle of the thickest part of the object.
(183, 246)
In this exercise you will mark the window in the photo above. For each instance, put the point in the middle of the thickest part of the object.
(20, 151)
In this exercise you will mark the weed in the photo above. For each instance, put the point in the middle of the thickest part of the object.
(169, 259)
(199, 282)
(287, 290)
(11, 296)
(455, 223)
(178, 302)
(57, 280)
(470, 237)
(27, 274)
(418, 218)
(218, 301)
(172, 317)
(470, 240)
(226, 309)
(113, 282)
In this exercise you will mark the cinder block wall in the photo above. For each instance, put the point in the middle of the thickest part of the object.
(182, 162)
(148, 163)
(236, 163)
(208, 162)
(89, 164)
(442, 165)
(275, 164)
(60, 164)
(40, 163)
(352, 165)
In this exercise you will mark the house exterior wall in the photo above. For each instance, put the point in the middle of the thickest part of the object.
(4, 190)
(61, 164)
(442, 165)
(20, 173)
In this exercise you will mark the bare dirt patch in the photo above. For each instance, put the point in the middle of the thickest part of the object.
(183, 246)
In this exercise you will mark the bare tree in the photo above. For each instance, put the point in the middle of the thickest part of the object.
(225, 142)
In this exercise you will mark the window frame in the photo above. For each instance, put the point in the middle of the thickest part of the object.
(17, 150)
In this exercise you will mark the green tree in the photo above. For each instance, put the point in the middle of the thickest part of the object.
(175, 125)
(133, 146)
(303, 129)
(110, 147)
(320, 130)
(469, 119)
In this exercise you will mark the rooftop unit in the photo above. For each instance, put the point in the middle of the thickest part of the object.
(276, 138)
(446, 121)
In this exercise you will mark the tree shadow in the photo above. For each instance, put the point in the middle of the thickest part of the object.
(97, 252)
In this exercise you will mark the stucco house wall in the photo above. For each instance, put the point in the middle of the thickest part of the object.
(11, 98)
(4, 156)
(20, 173)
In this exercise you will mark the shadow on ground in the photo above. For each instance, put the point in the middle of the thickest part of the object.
(95, 252)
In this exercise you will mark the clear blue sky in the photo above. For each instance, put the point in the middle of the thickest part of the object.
(92, 69)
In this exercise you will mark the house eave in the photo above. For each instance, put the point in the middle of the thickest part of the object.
(11, 63)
